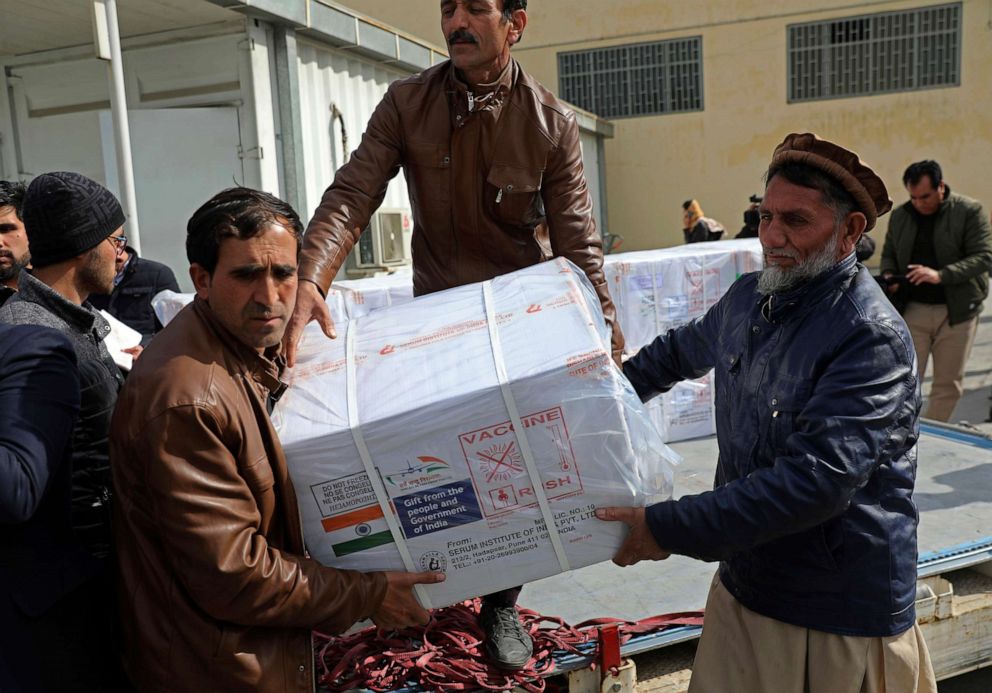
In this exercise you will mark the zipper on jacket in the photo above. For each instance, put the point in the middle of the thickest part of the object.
(499, 195)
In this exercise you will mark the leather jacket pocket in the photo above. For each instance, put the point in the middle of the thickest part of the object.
(727, 373)
(515, 195)
(427, 167)
(785, 400)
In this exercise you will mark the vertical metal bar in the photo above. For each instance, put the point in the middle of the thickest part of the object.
(118, 110)
(290, 120)
(601, 166)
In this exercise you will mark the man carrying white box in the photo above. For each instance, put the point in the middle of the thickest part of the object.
(818, 401)
(216, 590)
(494, 168)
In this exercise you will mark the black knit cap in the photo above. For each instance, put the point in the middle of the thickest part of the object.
(66, 214)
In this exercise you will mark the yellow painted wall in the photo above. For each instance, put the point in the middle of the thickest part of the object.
(422, 18)
(718, 155)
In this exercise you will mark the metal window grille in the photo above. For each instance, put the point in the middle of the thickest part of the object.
(635, 80)
(875, 54)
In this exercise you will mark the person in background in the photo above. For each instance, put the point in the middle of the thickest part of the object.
(941, 242)
(751, 219)
(216, 590)
(75, 232)
(136, 283)
(696, 227)
(14, 253)
(817, 414)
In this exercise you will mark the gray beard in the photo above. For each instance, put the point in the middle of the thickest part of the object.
(775, 279)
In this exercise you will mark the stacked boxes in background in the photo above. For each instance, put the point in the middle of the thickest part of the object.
(361, 296)
(451, 432)
(657, 290)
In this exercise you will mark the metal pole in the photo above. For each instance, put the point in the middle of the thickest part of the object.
(604, 230)
(290, 119)
(108, 44)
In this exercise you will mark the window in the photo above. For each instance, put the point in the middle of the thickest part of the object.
(875, 54)
(635, 80)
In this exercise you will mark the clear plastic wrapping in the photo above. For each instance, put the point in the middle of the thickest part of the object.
(425, 395)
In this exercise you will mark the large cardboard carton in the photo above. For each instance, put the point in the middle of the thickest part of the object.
(451, 432)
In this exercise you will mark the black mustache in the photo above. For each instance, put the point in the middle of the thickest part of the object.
(460, 36)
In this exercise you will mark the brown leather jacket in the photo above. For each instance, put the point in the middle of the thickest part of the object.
(492, 189)
(215, 594)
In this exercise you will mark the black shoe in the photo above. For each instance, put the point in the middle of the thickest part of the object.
(507, 643)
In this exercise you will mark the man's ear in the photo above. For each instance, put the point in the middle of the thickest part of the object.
(854, 227)
(518, 21)
(201, 280)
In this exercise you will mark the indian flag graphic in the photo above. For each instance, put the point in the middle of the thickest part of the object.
(357, 530)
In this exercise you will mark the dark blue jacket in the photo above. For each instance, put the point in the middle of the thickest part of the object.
(131, 300)
(817, 415)
(40, 561)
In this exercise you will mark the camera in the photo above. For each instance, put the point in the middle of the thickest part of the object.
(755, 199)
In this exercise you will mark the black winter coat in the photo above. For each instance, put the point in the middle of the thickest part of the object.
(131, 300)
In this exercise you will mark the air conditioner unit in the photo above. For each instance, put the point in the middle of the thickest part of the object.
(384, 244)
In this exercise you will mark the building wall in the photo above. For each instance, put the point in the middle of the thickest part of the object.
(653, 163)
(422, 18)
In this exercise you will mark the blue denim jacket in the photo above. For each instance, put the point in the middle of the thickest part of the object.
(817, 416)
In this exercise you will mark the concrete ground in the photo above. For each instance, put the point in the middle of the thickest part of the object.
(973, 410)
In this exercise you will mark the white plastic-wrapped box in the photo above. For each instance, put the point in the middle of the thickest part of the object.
(448, 433)
(362, 296)
(657, 290)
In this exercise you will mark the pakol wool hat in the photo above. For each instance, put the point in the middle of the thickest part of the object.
(66, 214)
(844, 166)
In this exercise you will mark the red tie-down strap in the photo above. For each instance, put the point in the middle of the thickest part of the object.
(447, 653)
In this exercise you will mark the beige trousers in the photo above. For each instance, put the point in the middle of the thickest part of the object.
(741, 651)
(948, 345)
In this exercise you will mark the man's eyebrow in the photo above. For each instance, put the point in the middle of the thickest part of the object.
(4, 228)
(246, 270)
(256, 268)
(781, 211)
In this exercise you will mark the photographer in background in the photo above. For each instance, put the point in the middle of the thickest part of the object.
(751, 219)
